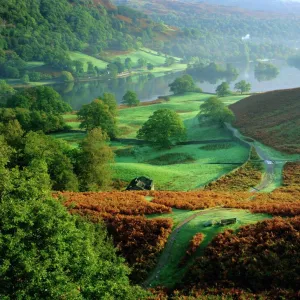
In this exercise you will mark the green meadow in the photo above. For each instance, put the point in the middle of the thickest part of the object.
(150, 56)
(183, 167)
(84, 58)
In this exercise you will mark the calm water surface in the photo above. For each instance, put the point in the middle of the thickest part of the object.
(149, 88)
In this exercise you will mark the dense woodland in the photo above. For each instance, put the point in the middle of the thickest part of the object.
(218, 32)
(46, 30)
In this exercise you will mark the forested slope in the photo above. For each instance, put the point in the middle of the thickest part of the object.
(213, 31)
(272, 118)
(45, 30)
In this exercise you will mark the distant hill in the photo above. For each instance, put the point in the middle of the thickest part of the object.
(282, 6)
(272, 118)
(215, 31)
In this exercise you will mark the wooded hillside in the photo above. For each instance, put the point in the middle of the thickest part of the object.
(46, 30)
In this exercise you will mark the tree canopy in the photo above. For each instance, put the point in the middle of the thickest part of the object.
(163, 128)
(98, 114)
(47, 252)
(223, 89)
(42, 98)
(243, 86)
(182, 85)
(5, 89)
(131, 99)
(215, 110)
(93, 161)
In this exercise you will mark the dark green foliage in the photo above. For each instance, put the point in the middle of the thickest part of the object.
(171, 159)
(150, 66)
(33, 120)
(99, 114)
(223, 89)
(243, 86)
(215, 110)
(45, 30)
(5, 89)
(164, 128)
(130, 99)
(42, 98)
(93, 161)
(112, 70)
(215, 147)
(36, 109)
(141, 62)
(48, 253)
(182, 85)
(57, 156)
(128, 63)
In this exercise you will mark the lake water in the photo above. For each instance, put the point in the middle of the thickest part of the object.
(289, 77)
(77, 94)
(149, 88)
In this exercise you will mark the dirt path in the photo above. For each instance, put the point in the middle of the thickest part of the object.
(163, 260)
(269, 176)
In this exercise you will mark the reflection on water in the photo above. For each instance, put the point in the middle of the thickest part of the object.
(286, 79)
(264, 77)
(149, 88)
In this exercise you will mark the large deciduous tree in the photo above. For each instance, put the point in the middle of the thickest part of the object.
(223, 89)
(182, 85)
(215, 110)
(243, 86)
(131, 99)
(98, 115)
(93, 161)
(163, 129)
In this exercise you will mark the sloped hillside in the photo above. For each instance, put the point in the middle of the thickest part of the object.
(272, 118)
(45, 30)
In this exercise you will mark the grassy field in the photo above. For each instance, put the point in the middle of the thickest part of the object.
(172, 272)
(183, 167)
(149, 55)
(86, 58)
(191, 166)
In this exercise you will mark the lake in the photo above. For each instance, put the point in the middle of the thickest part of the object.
(149, 87)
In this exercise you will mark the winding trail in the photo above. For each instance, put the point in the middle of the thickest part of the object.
(163, 259)
(267, 180)
(270, 164)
